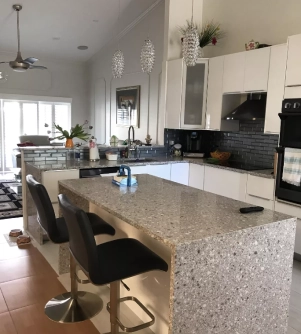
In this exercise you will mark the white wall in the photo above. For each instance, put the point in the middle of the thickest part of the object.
(103, 88)
(61, 79)
(265, 21)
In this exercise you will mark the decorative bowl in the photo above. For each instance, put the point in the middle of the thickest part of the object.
(220, 155)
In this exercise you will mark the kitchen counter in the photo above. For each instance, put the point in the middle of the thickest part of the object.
(228, 272)
(83, 164)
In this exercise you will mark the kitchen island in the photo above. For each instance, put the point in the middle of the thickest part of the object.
(228, 273)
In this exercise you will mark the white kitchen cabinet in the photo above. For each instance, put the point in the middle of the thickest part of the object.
(257, 70)
(293, 68)
(179, 172)
(225, 183)
(215, 93)
(162, 171)
(136, 170)
(234, 72)
(186, 95)
(275, 88)
(51, 178)
(260, 191)
(196, 176)
(295, 211)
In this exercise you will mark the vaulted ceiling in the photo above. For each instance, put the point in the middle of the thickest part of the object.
(55, 28)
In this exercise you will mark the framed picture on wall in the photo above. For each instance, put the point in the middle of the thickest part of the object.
(128, 106)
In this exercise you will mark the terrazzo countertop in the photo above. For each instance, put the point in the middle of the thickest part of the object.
(84, 164)
(170, 212)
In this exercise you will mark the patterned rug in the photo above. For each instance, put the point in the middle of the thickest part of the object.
(10, 199)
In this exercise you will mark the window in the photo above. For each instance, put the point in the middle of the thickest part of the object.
(28, 118)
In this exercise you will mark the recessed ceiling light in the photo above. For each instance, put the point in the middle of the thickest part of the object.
(56, 38)
(96, 21)
(82, 47)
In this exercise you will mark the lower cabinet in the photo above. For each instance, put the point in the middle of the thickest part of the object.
(162, 171)
(225, 183)
(196, 176)
(260, 191)
(138, 170)
(179, 173)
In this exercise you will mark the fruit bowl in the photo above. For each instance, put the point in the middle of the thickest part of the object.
(220, 155)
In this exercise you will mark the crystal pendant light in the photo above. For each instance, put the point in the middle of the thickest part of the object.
(147, 56)
(118, 59)
(3, 77)
(118, 64)
(190, 46)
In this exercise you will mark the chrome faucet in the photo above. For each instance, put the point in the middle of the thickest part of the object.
(129, 140)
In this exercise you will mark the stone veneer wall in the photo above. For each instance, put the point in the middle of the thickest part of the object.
(250, 144)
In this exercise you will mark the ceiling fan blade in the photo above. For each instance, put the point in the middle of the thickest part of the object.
(38, 67)
(30, 60)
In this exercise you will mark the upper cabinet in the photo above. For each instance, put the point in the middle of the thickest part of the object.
(275, 88)
(215, 93)
(186, 95)
(246, 71)
(293, 69)
(257, 70)
(234, 66)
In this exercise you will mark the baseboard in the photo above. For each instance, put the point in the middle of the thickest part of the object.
(297, 257)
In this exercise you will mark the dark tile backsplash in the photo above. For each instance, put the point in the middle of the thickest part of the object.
(247, 145)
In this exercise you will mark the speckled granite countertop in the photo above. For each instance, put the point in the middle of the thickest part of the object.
(170, 212)
(83, 164)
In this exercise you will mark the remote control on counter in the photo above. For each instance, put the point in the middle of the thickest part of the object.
(251, 209)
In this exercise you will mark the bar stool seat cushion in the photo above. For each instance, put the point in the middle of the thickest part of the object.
(124, 258)
(99, 226)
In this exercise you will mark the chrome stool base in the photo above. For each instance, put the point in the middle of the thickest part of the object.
(65, 309)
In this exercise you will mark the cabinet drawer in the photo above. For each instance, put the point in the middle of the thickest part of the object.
(260, 187)
(50, 181)
(266, 203)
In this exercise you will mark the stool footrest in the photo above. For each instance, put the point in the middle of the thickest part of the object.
(138, 327)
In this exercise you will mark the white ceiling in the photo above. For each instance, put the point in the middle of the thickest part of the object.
(71, 21)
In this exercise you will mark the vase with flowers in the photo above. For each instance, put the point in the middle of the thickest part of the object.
(78, 131)
(209, 34)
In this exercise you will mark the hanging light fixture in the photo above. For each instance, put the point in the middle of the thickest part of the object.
(3, 77)
(118, 59)
(147, 56)
(190, 46)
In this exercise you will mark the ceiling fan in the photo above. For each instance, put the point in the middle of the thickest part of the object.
(20, 64)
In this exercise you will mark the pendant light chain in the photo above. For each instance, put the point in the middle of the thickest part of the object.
(118, 57)
(190, 45)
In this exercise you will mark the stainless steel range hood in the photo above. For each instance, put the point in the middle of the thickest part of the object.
(251, 110)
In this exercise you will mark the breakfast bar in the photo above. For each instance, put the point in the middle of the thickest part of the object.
(228, 272)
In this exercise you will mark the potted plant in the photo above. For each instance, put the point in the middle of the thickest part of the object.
(209, 34)
(78, 131)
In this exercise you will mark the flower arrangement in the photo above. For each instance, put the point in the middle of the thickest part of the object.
(209, 34)
(78, 131)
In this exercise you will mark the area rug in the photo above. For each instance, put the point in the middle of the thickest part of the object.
(10, 201)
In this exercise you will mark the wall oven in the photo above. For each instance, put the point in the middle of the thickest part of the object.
(290, 137)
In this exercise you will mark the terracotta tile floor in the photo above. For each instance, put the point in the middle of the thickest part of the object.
(27, 282)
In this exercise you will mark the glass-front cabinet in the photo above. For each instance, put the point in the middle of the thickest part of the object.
(186, 95)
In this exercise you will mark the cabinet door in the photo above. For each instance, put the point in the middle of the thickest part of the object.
(257, 70)
(234, 72)
(275, 88)
(196, 176)
(226, 183)
(194, 96)
(162, 171)
(138, 170)
(293, 69)
(215, 93)
(174, 88)
(180, 173)
(50, 180)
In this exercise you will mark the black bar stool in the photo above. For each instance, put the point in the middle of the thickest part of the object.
(110, 262)
(76, 305)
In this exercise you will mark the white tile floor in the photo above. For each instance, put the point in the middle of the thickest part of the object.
(50, 253)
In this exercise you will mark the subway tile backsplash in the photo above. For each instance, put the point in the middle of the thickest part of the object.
(247, 145)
